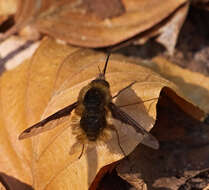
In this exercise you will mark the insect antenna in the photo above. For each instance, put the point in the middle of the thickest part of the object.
(100, 72)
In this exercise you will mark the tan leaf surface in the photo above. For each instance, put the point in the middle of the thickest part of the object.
(88, 30)
(9, 54)
(183, 153)
(7, 8)
(168, 30)
(90, 23)
(194, 85)
(50, 81)
(2, 187)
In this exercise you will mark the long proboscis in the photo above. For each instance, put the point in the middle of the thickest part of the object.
(102, 74)
(105, 67)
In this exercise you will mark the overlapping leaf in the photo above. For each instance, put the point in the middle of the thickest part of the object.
(102, 23)
(7, 8)
(48, 82)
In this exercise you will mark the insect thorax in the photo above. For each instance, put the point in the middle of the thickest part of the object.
(93, 100)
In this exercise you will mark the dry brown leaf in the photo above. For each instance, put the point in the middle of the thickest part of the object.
(193, 85)
(183, 153)
(204, 4)
(7, 8)
(94, 23)
(50, 81)
(200, 181)
(14, 50)
(2, 187)
(184, 139)
(3, 18)
(88, 30)
(168, 30)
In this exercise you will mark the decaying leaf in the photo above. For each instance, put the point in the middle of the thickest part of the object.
(51, 80)
(14, 50)
(193, 85)
(101, 23)
(2, 187)
(204, 4)
(199, 181)
(48, 82)
(183, 153)
(184, 139)
(168, 30)
(7, 8)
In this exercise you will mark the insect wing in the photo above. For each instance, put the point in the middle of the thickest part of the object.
(48, 123)
(122, 116)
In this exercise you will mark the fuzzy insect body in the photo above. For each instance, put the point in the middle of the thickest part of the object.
(92, 108)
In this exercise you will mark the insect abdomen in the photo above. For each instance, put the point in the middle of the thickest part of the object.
(93, 118)
(92, 122)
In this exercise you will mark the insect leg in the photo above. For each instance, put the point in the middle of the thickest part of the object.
(118, 140)
(81, 152)
(75, 148)
(124, 89)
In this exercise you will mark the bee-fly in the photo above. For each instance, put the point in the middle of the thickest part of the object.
(90, 115)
